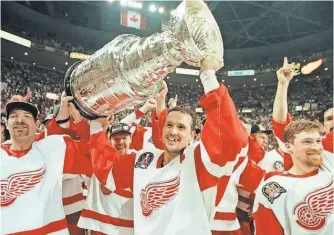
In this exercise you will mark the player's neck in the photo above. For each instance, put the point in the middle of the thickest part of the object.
(301, 169)
(168, 157)
(20, 145)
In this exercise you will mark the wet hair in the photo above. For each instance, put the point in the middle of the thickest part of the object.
(185, 111)
(296, 127)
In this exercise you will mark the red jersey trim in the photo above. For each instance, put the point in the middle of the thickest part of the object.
(47, 229)
(13, 153)
(225, 216)
(107, 219)
(271, 174)
(72, 199)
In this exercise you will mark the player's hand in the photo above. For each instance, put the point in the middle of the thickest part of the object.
(286, 73)
(64, 111)
(105, 121)
(161, 96)
(172, 102)
(75, 114)
(211, 62)
(149, 105)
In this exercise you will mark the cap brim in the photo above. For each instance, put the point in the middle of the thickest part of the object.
(23, 106)
(267, 132)
(120, 131)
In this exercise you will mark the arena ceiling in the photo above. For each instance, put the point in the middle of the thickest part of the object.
(243, 23)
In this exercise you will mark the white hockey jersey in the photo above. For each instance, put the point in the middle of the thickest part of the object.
(272, 161)
(106, 211)
(179, 198)
(300, 205)
(73, 198)
(31, 185)
(112, 212)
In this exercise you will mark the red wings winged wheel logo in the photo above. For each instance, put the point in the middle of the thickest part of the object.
(17, 184)
(312, 212)
(156, 195)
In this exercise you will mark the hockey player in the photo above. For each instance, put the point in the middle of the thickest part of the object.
(299, 201)
(175, 189)
(31, 174)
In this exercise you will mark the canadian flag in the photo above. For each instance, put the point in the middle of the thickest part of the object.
(133, 19)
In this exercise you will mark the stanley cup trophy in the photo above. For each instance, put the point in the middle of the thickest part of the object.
(129, 69)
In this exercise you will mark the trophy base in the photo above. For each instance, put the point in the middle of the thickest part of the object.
(67, 85)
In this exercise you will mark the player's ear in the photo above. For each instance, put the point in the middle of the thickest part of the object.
(289, 147)
(38, 123)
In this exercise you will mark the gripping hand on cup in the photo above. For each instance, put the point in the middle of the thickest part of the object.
(172, 102)
(161, 99)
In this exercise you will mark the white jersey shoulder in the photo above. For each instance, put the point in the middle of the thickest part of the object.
(272, 161)
(301, 205)
(32, 188)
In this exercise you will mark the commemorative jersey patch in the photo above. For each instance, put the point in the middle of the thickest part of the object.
(278, 166)
(144, 160)
(272, 191)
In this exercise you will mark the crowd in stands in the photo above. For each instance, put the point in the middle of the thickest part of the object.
(259, 65)
(17, 77)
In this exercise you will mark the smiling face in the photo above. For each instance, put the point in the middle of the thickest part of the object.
(22, 125)
(121, 142)
(307, 148)
(177, 132)
(304, 142)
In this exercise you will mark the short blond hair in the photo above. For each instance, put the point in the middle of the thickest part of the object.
(296, 127)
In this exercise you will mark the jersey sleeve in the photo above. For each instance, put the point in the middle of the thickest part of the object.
(54, 129)
(113, 170)
(328, 142)
(265, 221)
(223, 135)
(278, 128)
(82, 129)
(157, 127)
(255, 152)
(77, 157)
(251, 177)
(137, 139)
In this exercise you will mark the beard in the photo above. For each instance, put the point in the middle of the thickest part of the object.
(20, 131)
(314, 161)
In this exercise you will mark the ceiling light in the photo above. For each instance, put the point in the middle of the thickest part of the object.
(196, 80)
(254, 79)
(261, 84)
(153, 8)
(123, 2)
(317, 76)
(139, 5)
(326, 69)
(297, 80)
(54, 67)
(25, 53)
(12, 58)
(33, 64)
(244, 84)
(223, 80)
(66, 63)
(161, 10)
